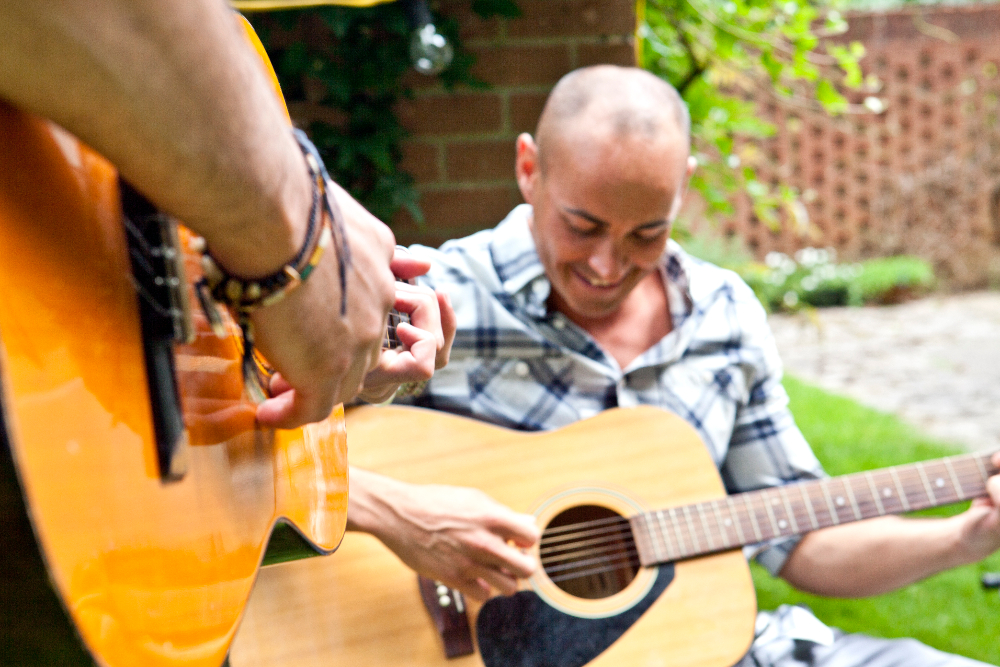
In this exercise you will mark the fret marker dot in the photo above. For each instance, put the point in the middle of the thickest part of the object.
(939, 482)
(840, 501)
(886, 492)
(728, 522)
(775, 502)
(782, 524)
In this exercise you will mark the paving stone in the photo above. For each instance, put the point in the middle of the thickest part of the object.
(935, 362)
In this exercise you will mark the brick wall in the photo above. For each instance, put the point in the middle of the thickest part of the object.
(461, 151)
(924, 176)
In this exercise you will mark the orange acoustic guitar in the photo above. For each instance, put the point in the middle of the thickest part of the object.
(640, 551)
(138, 497)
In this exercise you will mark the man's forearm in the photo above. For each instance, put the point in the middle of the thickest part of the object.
(174, 96)
(873, 557)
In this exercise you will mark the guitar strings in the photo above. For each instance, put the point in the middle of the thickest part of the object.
(574, 526)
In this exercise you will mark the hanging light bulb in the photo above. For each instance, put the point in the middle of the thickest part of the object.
(430, 52)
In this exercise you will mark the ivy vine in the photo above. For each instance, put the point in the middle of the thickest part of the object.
(351, 61)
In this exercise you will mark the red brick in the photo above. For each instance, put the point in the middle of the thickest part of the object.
(599, 54)
(453, 213)
(414, 80)
(525, 108)
(452, 114)
(552, 18)
(469, 161)
(521, 65)
(420, 160)
(471, 26)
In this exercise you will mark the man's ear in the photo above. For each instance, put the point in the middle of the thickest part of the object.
(675, 208)
(526, 165)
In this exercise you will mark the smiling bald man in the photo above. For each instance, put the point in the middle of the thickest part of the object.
(579, 301)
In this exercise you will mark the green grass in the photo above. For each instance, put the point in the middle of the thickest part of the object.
(950, 611)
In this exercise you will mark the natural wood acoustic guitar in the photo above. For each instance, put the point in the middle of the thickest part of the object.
(138, 495)
(640, 558)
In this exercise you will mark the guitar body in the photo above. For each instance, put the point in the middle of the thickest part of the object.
(148, 571)
(363, 608)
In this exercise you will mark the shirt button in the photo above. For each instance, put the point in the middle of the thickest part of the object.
(521, 369)
(559, 322)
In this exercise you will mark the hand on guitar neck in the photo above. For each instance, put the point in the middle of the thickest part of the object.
(424, 341)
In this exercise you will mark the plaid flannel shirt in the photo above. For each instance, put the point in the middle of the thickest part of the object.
(516, 364)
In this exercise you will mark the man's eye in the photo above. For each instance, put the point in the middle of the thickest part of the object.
(651, 234)
(582, 231)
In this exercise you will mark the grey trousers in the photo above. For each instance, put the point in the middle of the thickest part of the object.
(787, 638)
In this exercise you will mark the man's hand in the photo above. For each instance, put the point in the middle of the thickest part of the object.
(426, 340)
(322, 358)
(980, 531)
(455, 535)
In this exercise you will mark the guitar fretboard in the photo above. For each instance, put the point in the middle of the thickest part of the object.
(757, 516)
(391, 341)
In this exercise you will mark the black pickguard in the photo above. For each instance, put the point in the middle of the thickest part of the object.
(523, 631)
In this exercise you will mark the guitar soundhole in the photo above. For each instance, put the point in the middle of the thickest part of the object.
(588, 551)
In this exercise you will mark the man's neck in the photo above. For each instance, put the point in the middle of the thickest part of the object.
(642, 321)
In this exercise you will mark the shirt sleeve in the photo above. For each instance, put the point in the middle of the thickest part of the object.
(767, 449)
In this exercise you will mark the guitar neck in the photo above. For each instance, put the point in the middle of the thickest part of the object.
(391, 340)
(757, 516)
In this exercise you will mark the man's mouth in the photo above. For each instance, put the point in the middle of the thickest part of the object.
(597, 282)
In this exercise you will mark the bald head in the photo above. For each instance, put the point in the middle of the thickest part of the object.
(613, 102)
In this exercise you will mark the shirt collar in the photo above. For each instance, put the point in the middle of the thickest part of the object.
(516, 261)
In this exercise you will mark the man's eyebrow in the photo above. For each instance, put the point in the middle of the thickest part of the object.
(601, 223)
(587, 216)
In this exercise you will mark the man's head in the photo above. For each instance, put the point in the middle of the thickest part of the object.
(605, 174)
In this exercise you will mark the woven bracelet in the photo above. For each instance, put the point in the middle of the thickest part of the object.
(244, 295)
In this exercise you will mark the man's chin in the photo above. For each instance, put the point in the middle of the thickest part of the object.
(593, 309)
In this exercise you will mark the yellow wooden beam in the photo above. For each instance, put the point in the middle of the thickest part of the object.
(265, 5)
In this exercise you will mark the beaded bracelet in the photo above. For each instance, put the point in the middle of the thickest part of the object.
(244, 295)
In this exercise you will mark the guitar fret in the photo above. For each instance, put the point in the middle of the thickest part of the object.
(720, 523)
(927, 485)
(954, 478)
(834, 517)
(735, 519)
(677, 530)
(704, 525)
(903, 497)
(875, 494)
(663, 531)
(770, 513)
(753, 519)
(947, 492)
(808, 503)
(982, 468)
(690, 526)
(650, 534)
(788, 509)
(849, 492)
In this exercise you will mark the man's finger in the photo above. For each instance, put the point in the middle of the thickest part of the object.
(449, 325)
(406, 267)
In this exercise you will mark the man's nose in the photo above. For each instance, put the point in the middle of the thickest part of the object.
(605, 261)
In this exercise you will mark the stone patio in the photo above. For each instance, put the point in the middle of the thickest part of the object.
(934, 362)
